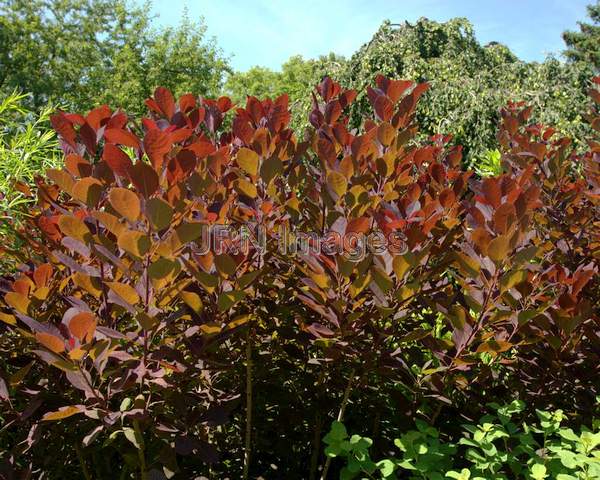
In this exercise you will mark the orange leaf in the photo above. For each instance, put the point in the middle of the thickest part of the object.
(51, 342)
(125, 202)
(358, 225)
(62, 412)
(42, 275)
(83, 325)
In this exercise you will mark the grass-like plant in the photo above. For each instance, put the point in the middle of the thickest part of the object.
(28, 147)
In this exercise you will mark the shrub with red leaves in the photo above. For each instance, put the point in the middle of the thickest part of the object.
(197, 299)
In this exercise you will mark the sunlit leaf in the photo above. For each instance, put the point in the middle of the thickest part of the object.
(248, 161)
(63, 412)
(51, 342)
(126, 292)
(125, 202)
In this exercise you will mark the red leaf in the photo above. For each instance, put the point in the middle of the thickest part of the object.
(491, 190)
(328, 89)
(121, 137)
(165, 101)
(96, 116)
(419, 90)
(180, 166)
(282, 101)
(75, 118)
(333, 110)
(144, 178)
(149, 124)
(64, 128)
(152, 105)
(157, 144)
(347, 98)
(116, 159)
(384, 108)
(196, 116)
(255, 109)
(396, 88)
(180, 135)
(202, 148)
(89, 138)
(224, 104)
(118, 120)
(242, 129)
(187, 102)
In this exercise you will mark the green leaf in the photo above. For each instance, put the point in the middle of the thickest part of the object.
(159, 213)
(386, 467)
(332, 450)
(568, 434)
(134, 243)
(338, 431)
(270, 168)
(499, 248)
(538, 471)
(188, 232)
(227, 300)
(248, 160)
(337, 183)
(225, 264)
(464, 474)
(162, 268)
(125, 404)
(134, 437)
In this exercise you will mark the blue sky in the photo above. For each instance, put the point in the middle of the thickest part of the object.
(266, 33)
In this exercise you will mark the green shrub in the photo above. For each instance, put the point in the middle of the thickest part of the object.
(28, 147)
(502, 445)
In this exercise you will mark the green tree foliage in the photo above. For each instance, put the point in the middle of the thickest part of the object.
(257, 81)
(470, 81)
(83, 52)
(584, 45)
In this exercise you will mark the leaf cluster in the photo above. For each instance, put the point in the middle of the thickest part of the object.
(132, 326)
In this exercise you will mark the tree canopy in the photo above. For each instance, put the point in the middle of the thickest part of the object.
(584, 45)
(86, 52)
(470, 81)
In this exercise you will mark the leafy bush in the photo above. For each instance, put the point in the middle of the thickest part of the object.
(470, 82)
(379, 276)
(497, 447)
(28, 146)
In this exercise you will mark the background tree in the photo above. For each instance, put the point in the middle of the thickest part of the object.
(84, 52)
(470, 82)
(585, 44)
